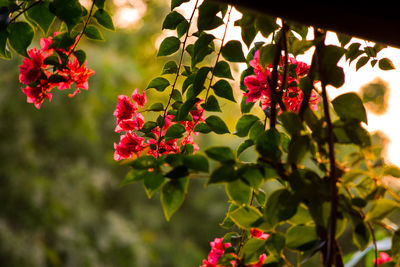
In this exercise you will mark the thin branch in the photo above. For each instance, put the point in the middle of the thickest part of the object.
(24, 10)
(83, 29)
(273, 80)
(331, 153)
(176, 77)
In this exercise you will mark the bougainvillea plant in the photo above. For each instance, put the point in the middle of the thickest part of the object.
(328, 170)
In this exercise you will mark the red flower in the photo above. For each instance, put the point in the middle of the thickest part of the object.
(125, 108)
(38, 93)
(140, 99)
(383, 257)
(31, 68)
(128, 145)
(254, 232)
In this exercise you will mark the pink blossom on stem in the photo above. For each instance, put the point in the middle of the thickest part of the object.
(31, 67)
(383, 257)
(140, 99)
(125, 108)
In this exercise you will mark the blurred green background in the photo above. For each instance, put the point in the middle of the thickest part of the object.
(60, 194)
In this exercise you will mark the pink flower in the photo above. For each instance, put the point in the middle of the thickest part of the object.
(254, 232)
(261, 260)
(130, 125)
(258, 88)
(37, 94)
(31, 68)
(125, 108)
(128, 145)
(217, 250)
(140, 99)
(383, 257)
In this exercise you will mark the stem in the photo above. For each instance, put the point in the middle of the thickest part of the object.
(83, 29)
(371, 229)
(332, 161)
(24, 10)
(273, 80)
(213, 70)
(176, 77)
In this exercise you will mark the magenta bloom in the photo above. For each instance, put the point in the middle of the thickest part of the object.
(383, 257)
(129, 144)
(254, 232)
(217, 250)
(31, 68)
(140, 99)
(38, 93)
(125, 108)
(258, 88)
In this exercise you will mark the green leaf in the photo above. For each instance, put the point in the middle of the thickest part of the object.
(292, 123)
(175, 131)
(222, 154)
(386, 64)
(223, 173)
(268, 145)
(239, 192)
(350, 106)
(199, 79)
(223, 70)
(267, 54)
(202, 47)
(244, 106)
(172, 196)
(93, 33)
(134, 176)
(361, 62)
(208, 19)
(381, 208)
(217, 125)
(281, 205)
(275, 243)
(392, 170)
(223, 89)
(396, 245)
(251, 250)
(176, 3)
(211, 104)
(152, 182)
(244, 124)
(157, 107)
(80, 56)
(298, 147)
(361, 235)
(169, 46)
(243, 146)
(301, 237)
(68, 11)
(182, 28)
(172, 20)
(145, 162)
(202, 128)
(196, 162)
(159, 84)
(184, 110)
(266, 25)
(41, 14)
(99, 3)
(178, 172)
(246, 217)
(104, 19)
(170, 68)
(20, 35)
(4, 53)
(232, 51)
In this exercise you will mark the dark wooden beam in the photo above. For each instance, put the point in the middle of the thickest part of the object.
(370, 20)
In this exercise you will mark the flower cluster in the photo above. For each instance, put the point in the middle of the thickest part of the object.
(259, 89)
(137, 139)
(40, 78)
(383, 257)
(218, 250)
